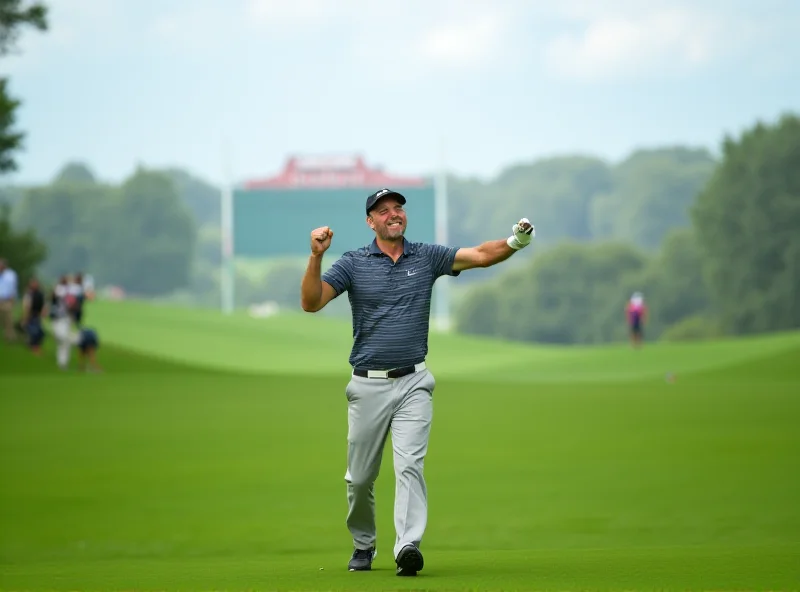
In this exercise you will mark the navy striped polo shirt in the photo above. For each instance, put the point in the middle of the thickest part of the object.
(390, 301)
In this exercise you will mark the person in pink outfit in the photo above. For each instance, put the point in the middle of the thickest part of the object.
(636, 314)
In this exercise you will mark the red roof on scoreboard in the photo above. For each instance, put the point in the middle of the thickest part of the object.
(331, 171)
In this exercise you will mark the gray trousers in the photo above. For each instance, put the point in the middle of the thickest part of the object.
(376, 407)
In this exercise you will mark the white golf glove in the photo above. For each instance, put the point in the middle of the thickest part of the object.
(523, 233)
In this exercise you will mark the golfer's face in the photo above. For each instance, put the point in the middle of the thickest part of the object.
(388, 219)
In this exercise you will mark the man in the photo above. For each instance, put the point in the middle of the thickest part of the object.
(8, 298)
(389, 284)
(33, 307)
(636, 313)
(76, 289)
(62, 306)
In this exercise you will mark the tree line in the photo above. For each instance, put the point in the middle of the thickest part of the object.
(137, 235)
(563, 192)
(715, 246)
(734, 269)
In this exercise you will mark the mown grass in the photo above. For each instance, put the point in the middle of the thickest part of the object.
(210, 455)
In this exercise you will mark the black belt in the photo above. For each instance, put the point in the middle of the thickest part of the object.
(393, 373)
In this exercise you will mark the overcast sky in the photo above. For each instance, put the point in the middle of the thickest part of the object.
(170, 82)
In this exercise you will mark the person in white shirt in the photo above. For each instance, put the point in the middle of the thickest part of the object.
(9, 291)
(62, 306)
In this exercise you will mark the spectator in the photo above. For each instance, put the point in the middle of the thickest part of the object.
(62, 305)
(8, 298)
(33, 306)
(88, 344)
(77, 291)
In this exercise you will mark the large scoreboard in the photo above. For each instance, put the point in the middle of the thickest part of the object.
(278, 222)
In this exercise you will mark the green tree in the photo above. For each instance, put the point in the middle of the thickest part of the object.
(66, 215)
(573, 293)
(680, 290)
(747, 224)
(672, 282)
(467, 204)
(653, 192)
(153, 247)
(479, 312)
(209, 250)
(581, 198)
(14, 14)
(693, 328)
(202, 198)
(556, 193)
(140, 236)
(280, 284)
(11, 195)
(76, 172)
(10, 139)
(22, 249)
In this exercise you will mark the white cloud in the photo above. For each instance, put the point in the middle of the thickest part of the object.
(627, 38)
(401, 43)
(391, 40)
(292, 12)
(616, 47)
(405, 40)
(468, 44)
(196, 26)
(592, 9)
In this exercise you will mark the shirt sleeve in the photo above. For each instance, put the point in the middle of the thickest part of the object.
(339, 275)
(442, 258)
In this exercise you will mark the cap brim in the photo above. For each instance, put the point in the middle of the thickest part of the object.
(398, 196)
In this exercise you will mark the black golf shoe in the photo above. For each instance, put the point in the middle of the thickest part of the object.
(362, 559)
(409, 561)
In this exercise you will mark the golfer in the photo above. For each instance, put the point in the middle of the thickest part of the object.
(636, 315)
(389, 283)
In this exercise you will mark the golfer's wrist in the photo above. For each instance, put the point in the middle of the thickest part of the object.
(514, 243)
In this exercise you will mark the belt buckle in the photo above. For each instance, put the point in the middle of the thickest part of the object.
(385, 373)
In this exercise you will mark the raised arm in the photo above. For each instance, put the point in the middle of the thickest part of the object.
(314, 293)
(495, 251)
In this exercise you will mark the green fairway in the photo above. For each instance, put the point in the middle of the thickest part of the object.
(299, 343)
(210, 456)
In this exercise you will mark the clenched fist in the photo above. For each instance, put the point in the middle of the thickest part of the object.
(321, 240)
(522, 233)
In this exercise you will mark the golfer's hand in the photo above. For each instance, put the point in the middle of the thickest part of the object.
(321, 240)
(522, 234)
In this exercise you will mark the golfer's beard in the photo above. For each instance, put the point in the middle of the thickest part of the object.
(389, 234)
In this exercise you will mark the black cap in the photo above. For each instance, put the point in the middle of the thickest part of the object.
(373, 199)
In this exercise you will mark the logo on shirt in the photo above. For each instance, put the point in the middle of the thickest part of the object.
(411, 272)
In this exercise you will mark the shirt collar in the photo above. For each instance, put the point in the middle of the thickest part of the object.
(408, 248)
